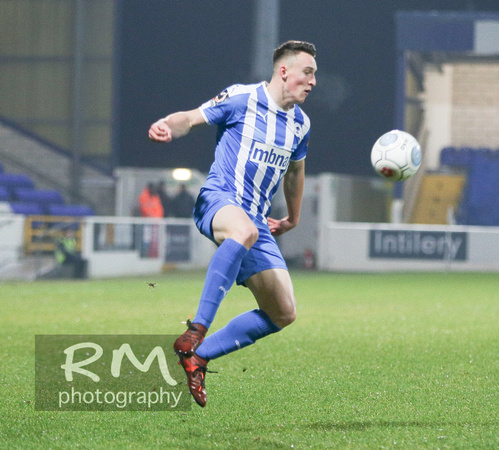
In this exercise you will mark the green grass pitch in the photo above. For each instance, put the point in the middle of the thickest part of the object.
(373, 361)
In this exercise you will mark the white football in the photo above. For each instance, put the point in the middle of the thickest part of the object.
(396, 155)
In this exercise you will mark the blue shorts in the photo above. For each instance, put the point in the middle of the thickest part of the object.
(264, 254)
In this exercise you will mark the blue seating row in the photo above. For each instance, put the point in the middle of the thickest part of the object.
(462, 157)
(35, 209)
(480, 200)
(20, 192)
(16, 180)
(29, 195)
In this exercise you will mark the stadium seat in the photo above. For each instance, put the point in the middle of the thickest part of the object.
(16, 180)
(4, 194)
(448, 156)
(480, 203)
(17, 194)
(71, 210)
(13, 181)
(28, 209)
(39, 196)
(485, 151)
(464, 157)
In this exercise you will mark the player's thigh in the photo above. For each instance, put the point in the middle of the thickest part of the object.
(273, 291)
(232, 222)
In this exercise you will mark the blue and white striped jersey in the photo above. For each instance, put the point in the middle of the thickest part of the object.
(256, 141)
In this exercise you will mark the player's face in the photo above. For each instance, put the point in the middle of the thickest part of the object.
(300, 77)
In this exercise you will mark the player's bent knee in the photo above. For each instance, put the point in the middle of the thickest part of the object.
(246, 235)
(285, 319)
(251, 235)
(289, 319)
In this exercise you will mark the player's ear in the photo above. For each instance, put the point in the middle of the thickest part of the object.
(283, 72)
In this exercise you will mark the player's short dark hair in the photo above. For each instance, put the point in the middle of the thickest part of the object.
(293, 48)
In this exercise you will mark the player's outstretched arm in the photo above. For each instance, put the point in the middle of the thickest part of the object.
(175, 125)
(293, 183)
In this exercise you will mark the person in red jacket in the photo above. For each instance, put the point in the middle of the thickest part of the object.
(150, 203)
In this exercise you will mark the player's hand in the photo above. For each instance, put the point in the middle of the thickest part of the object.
(160, 132)
(278, 227)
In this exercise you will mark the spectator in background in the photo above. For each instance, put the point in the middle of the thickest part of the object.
(68, 256)
(183, 203)
(150, 203)
(165, 199)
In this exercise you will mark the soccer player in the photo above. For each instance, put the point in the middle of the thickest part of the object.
(262, 137)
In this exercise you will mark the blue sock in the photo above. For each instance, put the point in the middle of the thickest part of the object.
(240, 332)
(222, 272)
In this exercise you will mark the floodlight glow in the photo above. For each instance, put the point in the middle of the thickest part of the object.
(182, 174)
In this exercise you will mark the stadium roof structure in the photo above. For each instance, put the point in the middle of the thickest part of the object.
(440, 37)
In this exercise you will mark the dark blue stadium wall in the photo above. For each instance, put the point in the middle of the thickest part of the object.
(175, 55)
